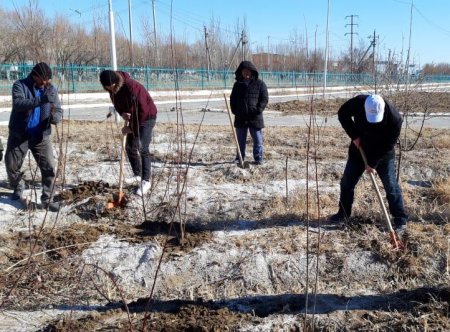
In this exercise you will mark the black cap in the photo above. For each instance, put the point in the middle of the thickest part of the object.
(108, 77)
(42, 70)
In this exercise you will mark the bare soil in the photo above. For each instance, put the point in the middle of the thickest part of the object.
(407, 103)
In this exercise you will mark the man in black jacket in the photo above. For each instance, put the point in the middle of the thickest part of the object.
(374, 126)
(35, 106)
(248, 99)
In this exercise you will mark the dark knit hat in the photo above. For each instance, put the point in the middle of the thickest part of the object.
(42, 70)
(108, 77)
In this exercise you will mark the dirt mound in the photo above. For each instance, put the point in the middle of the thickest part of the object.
(321, 107)
(169, 233)
(96, 196)
(86, 189)
(198, 317)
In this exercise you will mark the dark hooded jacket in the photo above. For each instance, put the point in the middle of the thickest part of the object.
(248, 99)
(130, 96)
(377, 139)
(24, 102)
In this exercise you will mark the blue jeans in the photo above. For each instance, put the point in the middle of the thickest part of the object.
(138, 152)
(257, 137)
(386, 170)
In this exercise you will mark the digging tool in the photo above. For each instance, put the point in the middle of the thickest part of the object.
(396, 242)
(119, 200)
(242, 164)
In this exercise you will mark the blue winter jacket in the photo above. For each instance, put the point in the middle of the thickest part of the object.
(23, 103)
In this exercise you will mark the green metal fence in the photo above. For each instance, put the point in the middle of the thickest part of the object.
(76, 79)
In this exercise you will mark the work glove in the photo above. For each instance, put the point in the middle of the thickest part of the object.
(50, 98)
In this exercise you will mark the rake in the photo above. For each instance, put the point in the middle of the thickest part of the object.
(396, 242)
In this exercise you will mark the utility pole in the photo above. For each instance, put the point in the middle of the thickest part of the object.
(113, 37)
(208, 55)
(154, 33)
(131, 32)
(374, 42)
(409, 46)
(351, 33)
(268, 53)
(244, 42)
(325, 70)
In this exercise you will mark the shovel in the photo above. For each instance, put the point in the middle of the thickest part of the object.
(396, 242)
(119, 200)
(242, 164)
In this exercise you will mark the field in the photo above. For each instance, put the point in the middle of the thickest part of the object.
(216, 247)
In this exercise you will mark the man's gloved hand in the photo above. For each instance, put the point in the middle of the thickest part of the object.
(50, 98)
(126, 116)
(126, 130)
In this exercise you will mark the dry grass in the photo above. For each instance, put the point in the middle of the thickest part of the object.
(441, 190)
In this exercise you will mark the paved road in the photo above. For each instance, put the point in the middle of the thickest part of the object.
(217, 115)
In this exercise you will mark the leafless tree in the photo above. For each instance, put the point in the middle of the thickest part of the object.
(32, 32)
(9, 42)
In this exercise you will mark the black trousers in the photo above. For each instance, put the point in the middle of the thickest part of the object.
(386, 170)
(137, 147)
(42, 151)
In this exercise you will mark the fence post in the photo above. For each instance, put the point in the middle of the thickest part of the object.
(72, 78)
(203, 80)
(224, 79)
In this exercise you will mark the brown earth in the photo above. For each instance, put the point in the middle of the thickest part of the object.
(414, 102)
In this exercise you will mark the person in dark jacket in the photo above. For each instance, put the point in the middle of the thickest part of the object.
(373, 125)
(35, 107)
(133, 102)
(248, 99)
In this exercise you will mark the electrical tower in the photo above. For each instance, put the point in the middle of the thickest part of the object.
(351, 33)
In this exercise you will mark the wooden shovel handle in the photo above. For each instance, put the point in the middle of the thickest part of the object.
(380, 198)
(122, 162)
(234, 131)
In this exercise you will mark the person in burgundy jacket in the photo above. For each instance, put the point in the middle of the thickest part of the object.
(135, 105)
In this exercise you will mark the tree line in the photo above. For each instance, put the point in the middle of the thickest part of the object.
(28, 35)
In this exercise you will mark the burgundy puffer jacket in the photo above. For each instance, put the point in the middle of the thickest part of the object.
(130, 96)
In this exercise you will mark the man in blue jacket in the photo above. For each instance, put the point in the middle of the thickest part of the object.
(35, 107)
(373, 125)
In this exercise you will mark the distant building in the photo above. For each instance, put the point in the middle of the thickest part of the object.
(269, 61)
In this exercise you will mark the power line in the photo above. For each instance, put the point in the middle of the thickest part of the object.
(429, 21)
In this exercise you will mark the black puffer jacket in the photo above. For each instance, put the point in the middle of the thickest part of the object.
(377, 139)
(248, 99)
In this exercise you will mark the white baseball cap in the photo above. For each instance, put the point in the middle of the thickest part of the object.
(374, 106)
